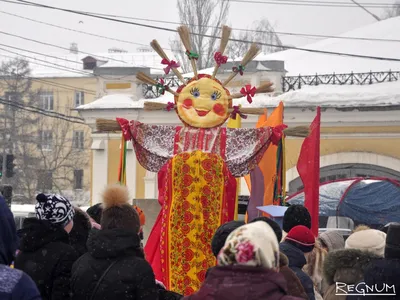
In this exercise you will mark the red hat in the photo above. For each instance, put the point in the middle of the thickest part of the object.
(301, 237)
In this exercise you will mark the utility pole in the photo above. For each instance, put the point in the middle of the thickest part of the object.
(4, 166)
(366, 10)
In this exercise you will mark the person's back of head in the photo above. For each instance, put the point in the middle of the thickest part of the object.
(275, 226)
(296, 215)
(371, 240)
(331, 240)
(80, 232)
(95, 212)
(302, 238)
(8, 234)
(117, 212)
(392, 246)
(222, 233)
(253, 244)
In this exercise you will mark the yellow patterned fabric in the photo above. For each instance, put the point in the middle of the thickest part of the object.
(196, 212)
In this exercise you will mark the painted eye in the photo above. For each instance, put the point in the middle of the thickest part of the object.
(216, 95)
(195, 92)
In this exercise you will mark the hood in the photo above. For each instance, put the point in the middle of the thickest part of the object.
(332, 239)
(8, 234)
(296, 256)
(347, 265)
(80, 232)
(38, 233)
(242, 282)
(110, 243)
(283, 260)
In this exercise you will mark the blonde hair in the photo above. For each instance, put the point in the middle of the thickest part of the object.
(315, 262)
(361, 228)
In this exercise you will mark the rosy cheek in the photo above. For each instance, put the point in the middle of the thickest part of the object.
(187, 103)
(219, 109)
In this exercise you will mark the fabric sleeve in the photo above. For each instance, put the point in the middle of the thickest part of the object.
(146, 288)
(245, 147)
(153, 144)
(26, 289)
(62, 276)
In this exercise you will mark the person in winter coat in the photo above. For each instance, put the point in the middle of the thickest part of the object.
(345, 267)
(295, 215)
(114, 267)
(80, 232)
(392, 245)
(45, 253)
(298, 242)
(331, 240)
(14, 284)
(314, 268)
(247, 268)
(293, 283)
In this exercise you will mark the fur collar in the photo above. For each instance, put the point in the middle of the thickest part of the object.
(283, 260)
(346, 265)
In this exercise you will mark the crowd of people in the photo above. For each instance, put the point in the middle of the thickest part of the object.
(66, 253)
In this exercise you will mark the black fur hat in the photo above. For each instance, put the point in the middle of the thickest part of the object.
(296, 215)
(392, 247)
(222, 233)
(275, 226)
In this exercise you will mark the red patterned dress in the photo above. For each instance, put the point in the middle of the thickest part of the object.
(197, 188)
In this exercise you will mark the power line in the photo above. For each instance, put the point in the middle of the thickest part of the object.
(13, 104)
(312, 3)
(210, 36)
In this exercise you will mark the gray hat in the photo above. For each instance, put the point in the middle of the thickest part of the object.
(332, 239)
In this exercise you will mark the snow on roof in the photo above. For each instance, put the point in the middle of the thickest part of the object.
(71, 65)
(308, 63)
(380, 94)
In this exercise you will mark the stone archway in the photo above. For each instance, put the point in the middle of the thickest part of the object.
(349, 164)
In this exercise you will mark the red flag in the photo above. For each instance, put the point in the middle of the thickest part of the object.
(308, 168)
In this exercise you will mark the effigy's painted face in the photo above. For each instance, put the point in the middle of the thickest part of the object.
(203, 103)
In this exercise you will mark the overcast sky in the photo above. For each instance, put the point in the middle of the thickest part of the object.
(285, 18)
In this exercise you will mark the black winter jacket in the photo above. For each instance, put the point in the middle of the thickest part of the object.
(131, 277)
(46, 256)
(297, 261)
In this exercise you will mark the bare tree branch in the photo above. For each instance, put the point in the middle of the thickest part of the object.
(393, 11)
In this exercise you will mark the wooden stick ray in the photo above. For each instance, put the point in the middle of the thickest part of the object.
(156, 46)
(104, 125)
(184, 33)
(226, 33)
(250, 55)
(148, 80)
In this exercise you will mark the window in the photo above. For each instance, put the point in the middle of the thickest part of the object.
(78, 179)
(47, 100)
(79, 98)
(45, 180)
(46, 140)
(78, 140)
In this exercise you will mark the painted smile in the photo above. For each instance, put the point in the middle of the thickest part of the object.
(202, 113)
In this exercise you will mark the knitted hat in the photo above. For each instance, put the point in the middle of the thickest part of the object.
(117, 212)
(392, 248)
(296, 215)
(275, 226)
(301, 237)
(253, 244)
(219, 238)
(95, 212)
(332, 239)
(54, 208)
(370, 239)
(386, 227)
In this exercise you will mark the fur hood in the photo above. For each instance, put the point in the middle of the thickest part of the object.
(283, 260)
(347, 265)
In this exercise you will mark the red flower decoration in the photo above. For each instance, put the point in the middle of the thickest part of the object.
(204, 201)
(186, 267)
(236, 111)
(188, 291)
(170, 106)
(248, 91)
(189, 255)
(207, 164)
(170, 64)
(277, 133)
(185, 229)
(185, 168)
(188, 217)
(201, 275)
(206, 190)
(186, 243)
(245, 252)
(185, 205)
(220, 59)
(187, 180)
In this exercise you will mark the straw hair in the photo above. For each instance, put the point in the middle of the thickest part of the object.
(148, 80)
(262, 89)
(104, 125)
(149, 106)
(226, 33)
(250, 55)
(156, 46)
(184, 33)
(250, 111)
(299, 131)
